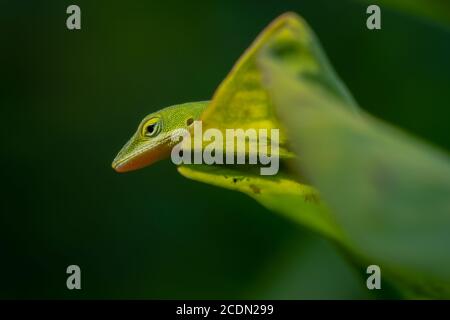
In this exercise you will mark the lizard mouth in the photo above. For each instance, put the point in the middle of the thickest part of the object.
(141, 158)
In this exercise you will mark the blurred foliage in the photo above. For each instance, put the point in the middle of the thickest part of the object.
(388, 190)
(241, 101)
(390, 182)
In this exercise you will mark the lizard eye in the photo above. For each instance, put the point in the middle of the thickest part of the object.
(152, 127)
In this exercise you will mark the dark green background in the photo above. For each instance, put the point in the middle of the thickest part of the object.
(70, 99)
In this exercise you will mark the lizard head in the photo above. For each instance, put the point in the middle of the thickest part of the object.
(152, 140)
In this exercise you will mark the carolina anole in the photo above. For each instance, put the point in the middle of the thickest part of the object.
(239, 102)
(242, 101)
(152, 140)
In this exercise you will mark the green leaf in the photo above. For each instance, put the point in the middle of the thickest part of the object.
(389, 191)
(279, 193)
(241, 101)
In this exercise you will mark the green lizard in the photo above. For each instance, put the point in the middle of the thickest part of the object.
(152, 140)
(240, 101)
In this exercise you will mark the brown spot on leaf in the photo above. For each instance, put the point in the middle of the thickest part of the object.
(255, 189)
(310, 197)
